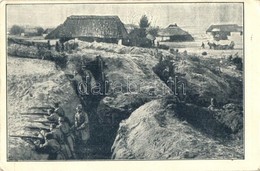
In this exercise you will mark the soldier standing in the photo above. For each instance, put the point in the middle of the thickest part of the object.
(60, 137)
(81, 125)
(203, 45)
(68, 136)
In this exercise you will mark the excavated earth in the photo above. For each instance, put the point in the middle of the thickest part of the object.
(149, 122)
(33, 82)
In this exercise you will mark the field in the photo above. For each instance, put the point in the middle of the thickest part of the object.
(195, 47)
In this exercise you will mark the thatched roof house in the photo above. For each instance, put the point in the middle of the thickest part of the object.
(222, 31)
(174, 33)
(90, 28)
(224, 28)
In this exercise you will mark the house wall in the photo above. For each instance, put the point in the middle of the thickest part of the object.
(105, 40)
(179, 38)
(160, 38)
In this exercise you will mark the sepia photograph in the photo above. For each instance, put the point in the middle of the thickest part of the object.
(125, 81)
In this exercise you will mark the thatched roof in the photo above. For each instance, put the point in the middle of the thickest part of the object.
(225, 28)
(172, 30)
(90, 26)
(48, 30)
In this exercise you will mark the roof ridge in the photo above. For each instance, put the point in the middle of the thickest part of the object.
(91, 16)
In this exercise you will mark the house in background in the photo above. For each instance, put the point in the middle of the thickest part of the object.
(225, 31)
(29, 31)
(47, 31)
(90, 28)
(173, 33)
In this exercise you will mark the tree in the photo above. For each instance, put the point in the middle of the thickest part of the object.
(40, 31)
(153, 31)
(15, 30)
(144, 23)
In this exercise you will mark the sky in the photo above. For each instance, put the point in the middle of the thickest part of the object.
(189, 15)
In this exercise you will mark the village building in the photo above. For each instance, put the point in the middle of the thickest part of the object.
(90, 28)
(47, 31)
(29, 31)
(173, 33)
(225, 31)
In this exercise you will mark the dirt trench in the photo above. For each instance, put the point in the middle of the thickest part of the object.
(102, 135)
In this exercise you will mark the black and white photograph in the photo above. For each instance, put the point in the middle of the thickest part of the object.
(125, 81)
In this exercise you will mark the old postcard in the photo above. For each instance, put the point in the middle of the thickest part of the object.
(104, 84)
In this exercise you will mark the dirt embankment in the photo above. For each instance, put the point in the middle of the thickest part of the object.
(33, 82)
(156, 131)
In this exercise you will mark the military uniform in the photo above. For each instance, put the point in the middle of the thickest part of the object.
(59, 111)
(52, 147)
(53, 117)
(68, 137)
(60, 137)
(82, 126)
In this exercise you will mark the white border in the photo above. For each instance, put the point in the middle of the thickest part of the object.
(252, 115)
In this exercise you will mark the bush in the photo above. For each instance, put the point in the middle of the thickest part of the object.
(238, 62)
(165, 47)
(16, 30)
(40, 31)
(195, 58)
(204, 53)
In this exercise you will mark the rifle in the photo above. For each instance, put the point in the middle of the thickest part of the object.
(42, 107)
(39, 113)
(47, 123)
(26, 137)
(37, 128)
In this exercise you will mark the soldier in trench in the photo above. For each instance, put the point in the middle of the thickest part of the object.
(81, 128)
(78, 84)
(59, 110)
(60, 137)
(88, 78)
(42, 146)
(53, 116)
(51, 147)
(68, 136)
